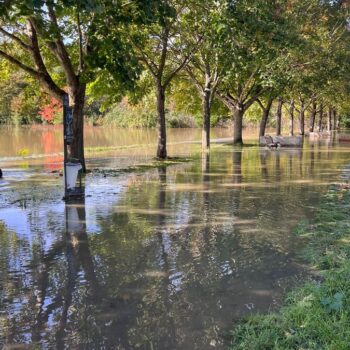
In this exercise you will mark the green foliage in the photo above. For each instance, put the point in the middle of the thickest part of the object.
(20, 98)
(123, 114)
(345, 121)
(144, 115)
(293, 49)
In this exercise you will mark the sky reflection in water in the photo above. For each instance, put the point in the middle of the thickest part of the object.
(168, 259)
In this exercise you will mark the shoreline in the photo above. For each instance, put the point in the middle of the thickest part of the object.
(314, 315)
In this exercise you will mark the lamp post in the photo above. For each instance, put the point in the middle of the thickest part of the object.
(73, 187)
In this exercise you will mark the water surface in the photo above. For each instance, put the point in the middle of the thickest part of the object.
(164, 259)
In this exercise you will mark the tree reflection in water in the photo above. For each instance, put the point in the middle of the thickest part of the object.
(171, 262)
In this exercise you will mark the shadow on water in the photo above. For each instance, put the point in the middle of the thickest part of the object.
(169, 260)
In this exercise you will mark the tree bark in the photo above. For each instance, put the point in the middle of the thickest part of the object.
(265, 117)
(335, 119)
(78, 102)
(313, 116)
(238, 112)
(206, 120)
(329, 120)
(302, 118)
(320, 120)
(279, 117)
(291, 114)
(161, 149)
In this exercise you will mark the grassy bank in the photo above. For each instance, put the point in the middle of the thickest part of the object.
(316, 315)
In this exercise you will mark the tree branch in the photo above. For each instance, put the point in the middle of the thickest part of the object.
(260, 104)
(247, 104)
(182, 64)
(61, 52)
(165, 37)
(195, 80)
(16, 39)
(19, 64)
(81, 53)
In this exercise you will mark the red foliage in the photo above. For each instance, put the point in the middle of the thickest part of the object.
(50, 110)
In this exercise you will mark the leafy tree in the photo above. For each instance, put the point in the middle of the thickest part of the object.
(256, 38)
(59, 43)
(160, 49)
(20, 97)
(204, 69)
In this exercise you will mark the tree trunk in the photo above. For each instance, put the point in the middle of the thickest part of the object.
(335, 119)
(78, 102)
(279, 117)
(320, 119)
(302, 118)
(313, 116)
(206, 121)
(291, 114)
(161, 150)
(238, 113)
(265, 117)
(329, 120)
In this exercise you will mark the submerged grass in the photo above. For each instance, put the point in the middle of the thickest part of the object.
(154, 164)
(316, 315)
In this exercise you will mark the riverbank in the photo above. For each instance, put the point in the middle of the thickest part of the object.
(316, 315)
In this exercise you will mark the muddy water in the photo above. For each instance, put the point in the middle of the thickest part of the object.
(165, 259)
(40, 145)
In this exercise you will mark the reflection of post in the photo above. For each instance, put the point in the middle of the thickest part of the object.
(77, 236)
(78, 255)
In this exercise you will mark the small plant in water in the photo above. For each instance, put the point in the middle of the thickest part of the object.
(23, 152)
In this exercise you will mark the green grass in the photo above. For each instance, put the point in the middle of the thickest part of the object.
(154, 164)
(317, 314)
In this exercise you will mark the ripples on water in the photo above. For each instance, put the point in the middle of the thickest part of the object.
(168, 259)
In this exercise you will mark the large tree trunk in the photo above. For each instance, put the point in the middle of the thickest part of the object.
(238, 113)
(279, 117)
(329, 120)
(291, 114)
(78, 101)
(161, 150)
(320, 119)
(206, 121)
(313, 116)
(302, 118)
(265, 117)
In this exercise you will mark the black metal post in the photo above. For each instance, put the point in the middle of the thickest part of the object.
(68, 137)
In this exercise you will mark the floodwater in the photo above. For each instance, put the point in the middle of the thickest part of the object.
(161, 259)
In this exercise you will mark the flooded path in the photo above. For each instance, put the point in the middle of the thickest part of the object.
(165, 259)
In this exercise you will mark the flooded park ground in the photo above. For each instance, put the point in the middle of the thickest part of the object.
(166, 258)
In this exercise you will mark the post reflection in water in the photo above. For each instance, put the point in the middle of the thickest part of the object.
(170, 261)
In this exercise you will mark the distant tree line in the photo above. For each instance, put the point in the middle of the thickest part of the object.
(211, 57)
